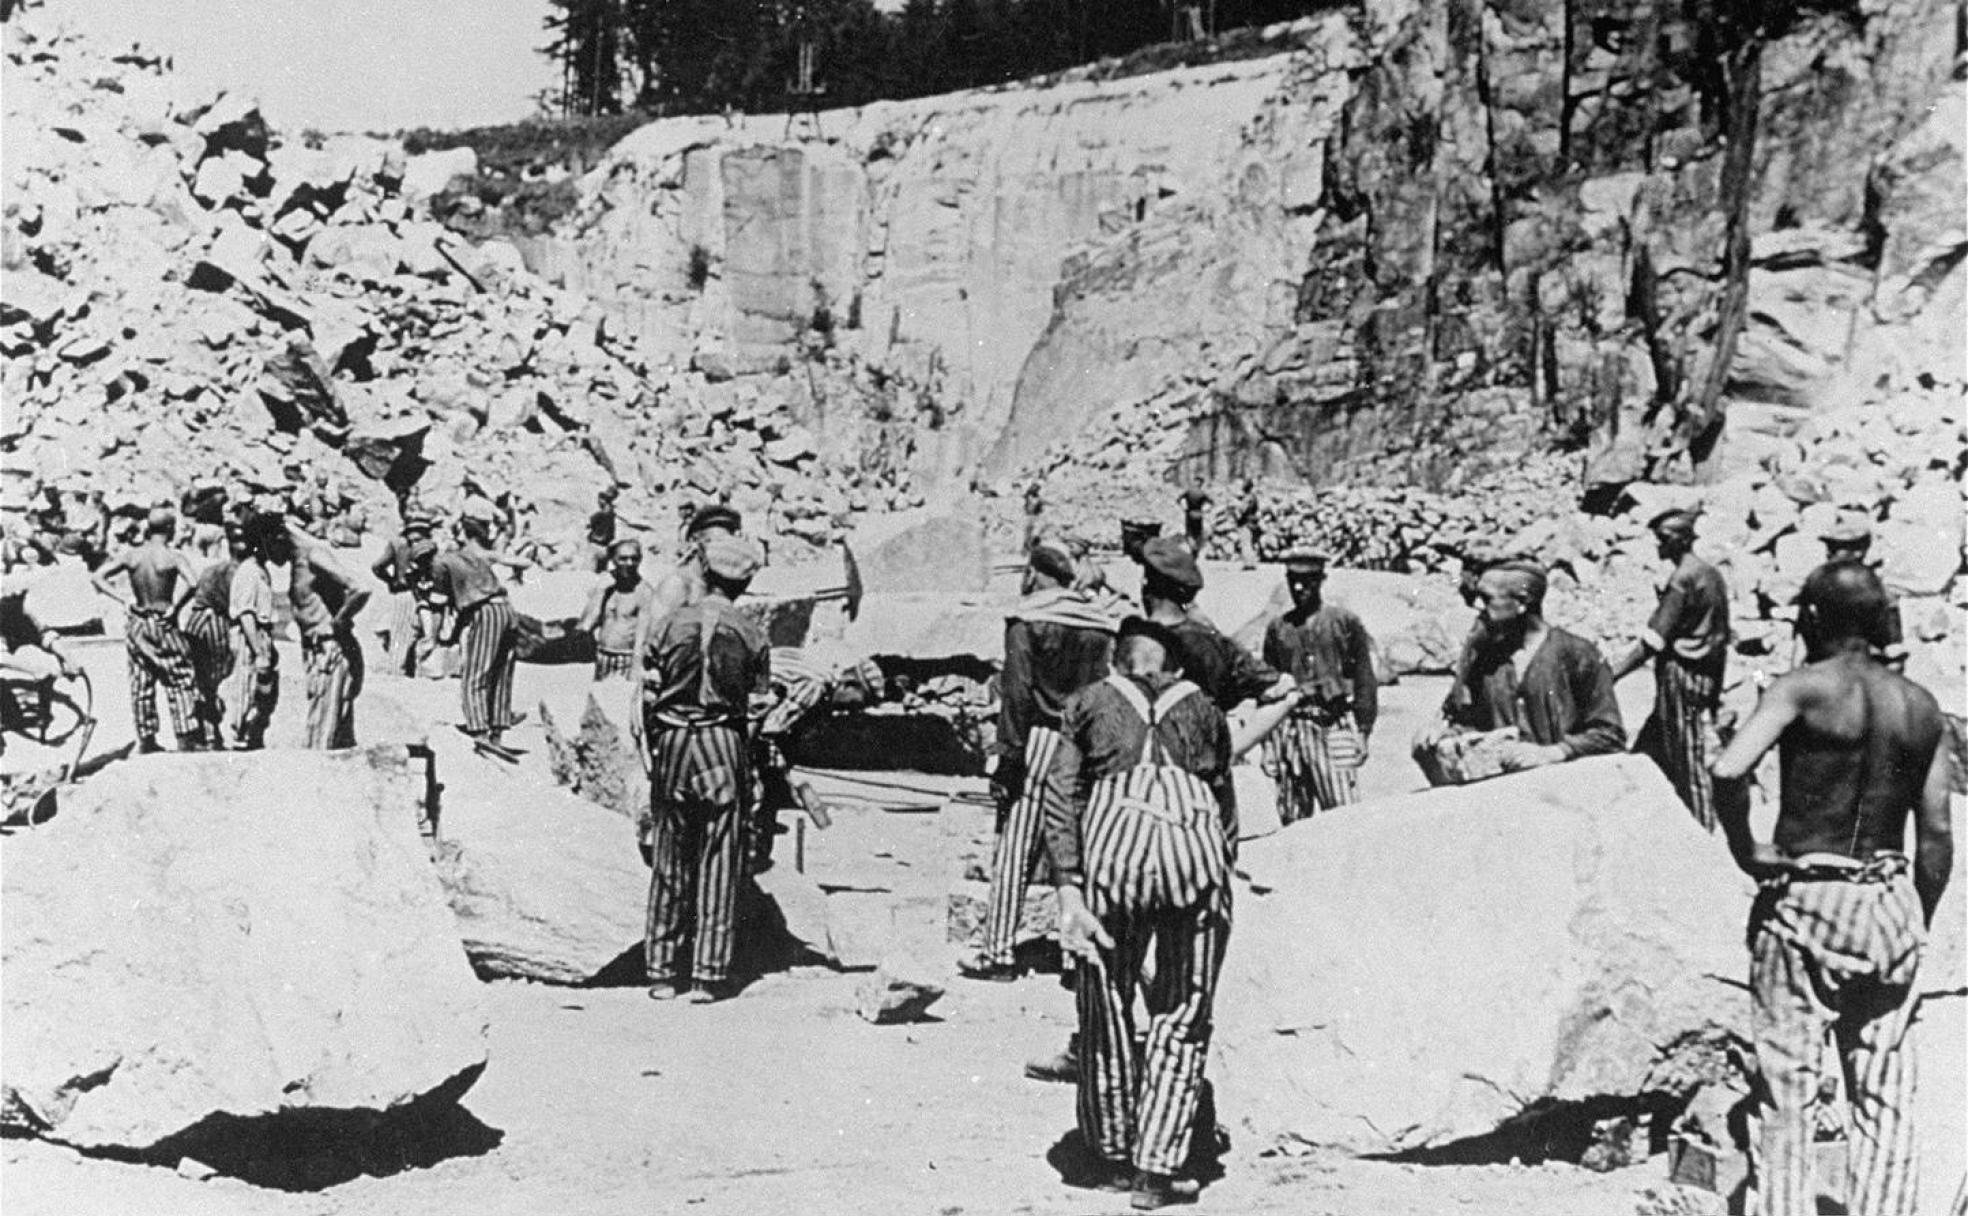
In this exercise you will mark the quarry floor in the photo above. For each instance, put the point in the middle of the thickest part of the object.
(783, 1100)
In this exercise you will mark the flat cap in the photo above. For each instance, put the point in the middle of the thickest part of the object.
(714, 515)
(1142, 627)
(1051, 559)
(1676, 521)
(627, 547)
(1848, 530)
(732, 558)
(1307, 562)
(1169, 560)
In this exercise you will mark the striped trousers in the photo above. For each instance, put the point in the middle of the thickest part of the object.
(699, 791)
(614, 665)
(491, 631)
(1137, 1104)
(1838, 957)
(1021, 837)
(406, 633)
(1309, 780)
(1681, 735)
(334, 680)
(211, 662)
(160, 654)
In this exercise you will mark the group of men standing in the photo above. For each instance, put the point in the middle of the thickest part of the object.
(1113, 777)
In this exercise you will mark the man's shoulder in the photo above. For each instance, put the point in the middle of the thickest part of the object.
(1573, 645)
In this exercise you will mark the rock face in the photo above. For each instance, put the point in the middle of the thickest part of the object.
(221, 935)
(1407, 235)
(1412, 972)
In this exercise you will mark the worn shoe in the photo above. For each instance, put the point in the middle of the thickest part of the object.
(668, 990)
(1063, 1067)
(977, 968)
(1156, 1191)
(1116, 1177)
(710, 992)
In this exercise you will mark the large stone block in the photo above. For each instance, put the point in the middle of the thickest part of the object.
(1416, 971)
(230, 935)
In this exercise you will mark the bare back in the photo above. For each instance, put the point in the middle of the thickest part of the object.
(156, 572)
(1855, 759)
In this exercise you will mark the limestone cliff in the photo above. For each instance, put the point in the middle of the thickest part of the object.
(1409, 231)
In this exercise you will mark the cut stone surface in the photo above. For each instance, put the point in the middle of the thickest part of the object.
(1415, 971)
(236, 935)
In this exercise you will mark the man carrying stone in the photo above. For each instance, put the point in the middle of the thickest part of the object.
(464, 581)
(1688, 638)
(251, 611)
(1837, 930)
(326, 599)
(1056, 643)
(404, 564)
(1317, 752)
(1142, 831)
(615, 610)
(161, 583)
(1553, 686)
(208, 627)
(700, 675)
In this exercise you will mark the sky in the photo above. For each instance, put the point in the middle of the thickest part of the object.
(342, 65)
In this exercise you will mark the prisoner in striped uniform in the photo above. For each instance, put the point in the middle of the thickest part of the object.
(402, 567)
(463, 580)
(700, 676)
(251, 610)
(1688, 639)
(325, 599)
(1836, 932)
(1141, 833)
(1316, 753)
(614, 611)
(208, 626)
(1056, 643)
(1519, 670)
(161, 584)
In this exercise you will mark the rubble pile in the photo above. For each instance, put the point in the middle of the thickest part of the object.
(187, 296)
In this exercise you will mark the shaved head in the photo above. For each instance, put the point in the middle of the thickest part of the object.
(1844, 599)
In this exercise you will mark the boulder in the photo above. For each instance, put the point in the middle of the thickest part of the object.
(198, 936)
(1415, 971)
(918, 552)
(593, 754)
(431, 173)
(546, 886)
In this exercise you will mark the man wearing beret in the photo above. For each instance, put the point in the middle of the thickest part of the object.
(1227, 673)
(685, 584)
(1142, 831)
(615, 610)
(1326, 649)
(1688, 639)
(700, 675)
(1521, 671)
(1056, 643)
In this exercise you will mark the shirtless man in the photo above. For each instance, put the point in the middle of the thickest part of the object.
(1837, 930)
(615, 610)
(161, 581)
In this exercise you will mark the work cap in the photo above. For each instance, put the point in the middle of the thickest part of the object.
(716, 515)
(1848, 530)
(1052, 560)
(1528, 582)
(1677, 521)
(1142, 627)
(481, 509)
(1169, 560)
(732, 558)
(625, 548)
(161, 517)
(417, 522)
(1306, 562)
